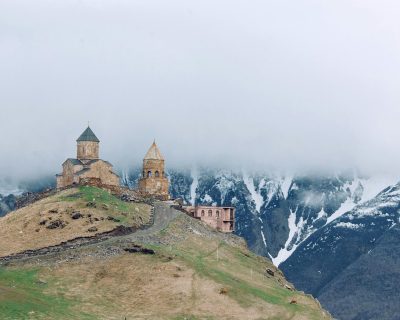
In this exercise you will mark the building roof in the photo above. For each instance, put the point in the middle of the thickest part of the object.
(153, 153)
(88, 135)
(92, 161)
(74, 161)
(82, 171)
(95, 160)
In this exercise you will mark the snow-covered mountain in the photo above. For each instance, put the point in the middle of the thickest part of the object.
(353, 264)
(274, 213)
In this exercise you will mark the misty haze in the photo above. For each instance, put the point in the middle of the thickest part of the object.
(263, 84)
(268, 128)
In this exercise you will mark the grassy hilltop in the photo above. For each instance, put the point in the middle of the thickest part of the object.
(192, 271)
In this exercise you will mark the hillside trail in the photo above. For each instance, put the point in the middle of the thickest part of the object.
(162, 215)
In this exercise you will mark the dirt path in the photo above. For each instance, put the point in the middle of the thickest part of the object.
(163, 214)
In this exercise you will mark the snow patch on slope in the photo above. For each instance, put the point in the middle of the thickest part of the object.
(348, 225)
(263, 238)
(376, 184)
(193, 187)
(225, 183)
(294, 230)
(371, 188)
(321, 214)
(256, 196)
(285, 185)
(272, 188)
(345, 207)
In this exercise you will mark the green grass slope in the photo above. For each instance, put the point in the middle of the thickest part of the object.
(195, 273)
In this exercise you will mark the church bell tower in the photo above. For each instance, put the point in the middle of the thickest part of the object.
(87, 145)
(154, 181)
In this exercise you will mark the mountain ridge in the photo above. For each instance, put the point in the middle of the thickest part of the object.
(345, 249)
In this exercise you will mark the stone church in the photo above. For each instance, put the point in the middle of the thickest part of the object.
(153, 181)
(87, 167)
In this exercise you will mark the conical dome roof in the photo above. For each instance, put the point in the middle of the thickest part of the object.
(88, 135)
(153, 153)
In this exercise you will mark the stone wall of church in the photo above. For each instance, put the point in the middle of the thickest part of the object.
(154, 186)
(153, 181)
(153, 168)
(103, 171)
(67, 175)
(87, 150)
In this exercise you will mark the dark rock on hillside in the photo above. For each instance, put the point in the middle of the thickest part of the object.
(139, 249)
(91, 204)
(110, 218)
(56, 224)
(76, 215)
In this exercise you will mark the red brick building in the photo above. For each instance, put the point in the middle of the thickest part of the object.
(220, 218)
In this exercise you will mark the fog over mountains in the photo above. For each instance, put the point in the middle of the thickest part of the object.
(267, 85)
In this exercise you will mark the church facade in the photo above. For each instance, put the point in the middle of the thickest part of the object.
(154, 181)
(87, 166)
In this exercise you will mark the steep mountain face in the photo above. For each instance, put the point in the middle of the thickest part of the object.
(274, 214)
(7, 204)
(352, 264)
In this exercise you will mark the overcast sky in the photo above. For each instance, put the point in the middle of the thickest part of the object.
(259, 84)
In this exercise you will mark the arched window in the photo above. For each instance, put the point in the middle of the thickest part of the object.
(202, 213)
(163, 175)
(210, 213)
(217, 213)
(148, 174)
(144, 174)
(157, 174)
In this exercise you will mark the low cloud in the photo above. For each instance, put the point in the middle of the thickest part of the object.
(286, 85)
